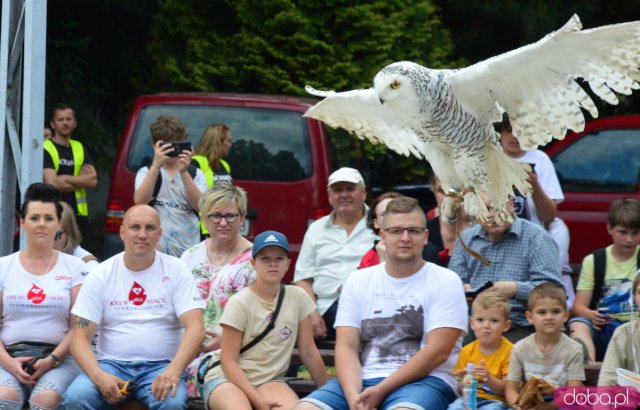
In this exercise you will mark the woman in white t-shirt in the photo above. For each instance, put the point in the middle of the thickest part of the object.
(220, 264)
(38, 287)
(68, 238)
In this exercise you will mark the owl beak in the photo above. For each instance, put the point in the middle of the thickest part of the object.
(381, 100)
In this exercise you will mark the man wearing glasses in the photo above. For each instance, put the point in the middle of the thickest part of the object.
(521, 255)
(332, 248)
(398, 326)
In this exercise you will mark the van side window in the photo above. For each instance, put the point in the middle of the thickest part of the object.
(616, 154)
(268, 145)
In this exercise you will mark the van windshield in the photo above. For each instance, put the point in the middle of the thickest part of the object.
(268, 144)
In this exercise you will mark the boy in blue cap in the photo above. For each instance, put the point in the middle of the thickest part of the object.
(248, 378)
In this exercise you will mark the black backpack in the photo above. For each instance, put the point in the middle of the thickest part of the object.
(599, 267)
(191, 170)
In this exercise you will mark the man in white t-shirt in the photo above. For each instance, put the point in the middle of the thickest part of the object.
(150, 317)
(399, 326)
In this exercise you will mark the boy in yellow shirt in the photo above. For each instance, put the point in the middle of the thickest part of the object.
(489, 353)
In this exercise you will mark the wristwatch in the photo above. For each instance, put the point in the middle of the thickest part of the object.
(56, 360)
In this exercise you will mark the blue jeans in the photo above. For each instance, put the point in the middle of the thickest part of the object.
(428, 393)
(484, 404)
(83, 394)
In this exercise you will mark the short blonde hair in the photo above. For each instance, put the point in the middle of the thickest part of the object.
(488, 299)
(69, 226)
(220, 194)
(210, 143)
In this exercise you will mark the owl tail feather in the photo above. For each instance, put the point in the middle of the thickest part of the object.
(505, 174)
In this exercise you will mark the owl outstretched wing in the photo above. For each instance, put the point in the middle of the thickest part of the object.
(536, 84)
(361, 113)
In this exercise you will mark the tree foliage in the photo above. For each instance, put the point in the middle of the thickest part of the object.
(279, 46)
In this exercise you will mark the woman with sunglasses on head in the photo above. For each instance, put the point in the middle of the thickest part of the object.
(38, 287)
(68, 238)
(221, 264)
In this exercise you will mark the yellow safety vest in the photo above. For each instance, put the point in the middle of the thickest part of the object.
(203, 164)
(78, 160)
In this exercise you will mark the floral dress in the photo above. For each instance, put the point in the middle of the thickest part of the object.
(216, 285)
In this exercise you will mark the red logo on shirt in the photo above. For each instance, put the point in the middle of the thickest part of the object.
(36, 294)
(137, 295)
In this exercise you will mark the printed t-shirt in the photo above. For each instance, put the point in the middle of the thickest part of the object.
(395, 315)
(248, 313)
(138, 312)
(36, 308)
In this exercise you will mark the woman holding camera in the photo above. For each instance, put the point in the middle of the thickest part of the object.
(38, 287)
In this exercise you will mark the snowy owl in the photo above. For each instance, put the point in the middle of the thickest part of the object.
(446, 116)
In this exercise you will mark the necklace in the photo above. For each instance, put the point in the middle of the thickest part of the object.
(30, 269)
(211, 255)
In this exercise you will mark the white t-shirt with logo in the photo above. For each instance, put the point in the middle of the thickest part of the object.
(138, 311)
(36, 308)
(394, 316)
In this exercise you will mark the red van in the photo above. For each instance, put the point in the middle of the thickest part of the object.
(282, 159)
(595, 167)
(278, 156)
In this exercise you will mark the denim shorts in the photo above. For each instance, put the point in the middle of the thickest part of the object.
(211, 385)
(430, 393)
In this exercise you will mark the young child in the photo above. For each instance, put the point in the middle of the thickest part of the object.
(176, 198)
(613, 275)
(624, 347)
(250, 379)
(547, 354)
(490, 351)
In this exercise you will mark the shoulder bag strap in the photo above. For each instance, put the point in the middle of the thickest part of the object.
(258, 338)
(599, 268)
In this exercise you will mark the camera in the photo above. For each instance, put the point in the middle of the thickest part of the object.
(178, 147)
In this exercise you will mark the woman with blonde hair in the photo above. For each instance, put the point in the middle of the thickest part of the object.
(220, 264)
(214, 145)
(68, 238)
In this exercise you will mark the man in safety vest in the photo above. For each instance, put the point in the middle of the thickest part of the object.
(67, 164)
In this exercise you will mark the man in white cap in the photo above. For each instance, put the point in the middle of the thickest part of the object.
(332, 248)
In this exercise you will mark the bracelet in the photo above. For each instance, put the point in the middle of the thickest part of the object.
(56, 360)
(155, 166)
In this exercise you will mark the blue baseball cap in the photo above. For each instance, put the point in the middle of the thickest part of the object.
(269, 238)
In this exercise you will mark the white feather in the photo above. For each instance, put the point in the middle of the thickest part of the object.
(446, 116)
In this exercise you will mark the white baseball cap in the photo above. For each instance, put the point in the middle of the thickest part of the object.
(346, 174)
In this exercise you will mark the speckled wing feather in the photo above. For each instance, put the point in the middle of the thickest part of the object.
(536, 83)
(361, 113)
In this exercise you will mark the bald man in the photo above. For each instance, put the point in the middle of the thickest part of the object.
(150, 317)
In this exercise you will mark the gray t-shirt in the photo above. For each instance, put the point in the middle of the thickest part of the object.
(180, 229)
(557, 367)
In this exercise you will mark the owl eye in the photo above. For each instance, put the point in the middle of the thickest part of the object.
(395, 84)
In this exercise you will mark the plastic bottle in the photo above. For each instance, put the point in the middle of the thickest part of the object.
(470, 389)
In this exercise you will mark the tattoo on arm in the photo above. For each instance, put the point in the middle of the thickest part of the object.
(81, 322)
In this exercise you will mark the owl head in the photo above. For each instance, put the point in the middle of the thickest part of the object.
(397, 86)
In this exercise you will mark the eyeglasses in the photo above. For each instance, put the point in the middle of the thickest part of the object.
(58, 236)
(397, 231)
(216, 218)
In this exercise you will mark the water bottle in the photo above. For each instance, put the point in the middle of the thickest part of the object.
(470, 389)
